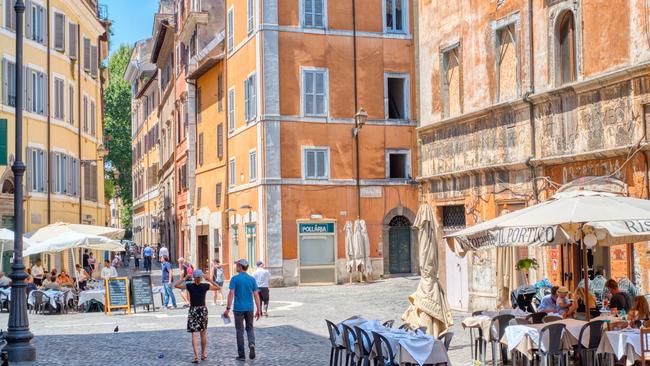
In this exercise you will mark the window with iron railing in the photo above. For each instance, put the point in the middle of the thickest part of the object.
(453, 218)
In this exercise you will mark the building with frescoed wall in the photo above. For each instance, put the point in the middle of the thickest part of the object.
(65, 45)
(518, 99)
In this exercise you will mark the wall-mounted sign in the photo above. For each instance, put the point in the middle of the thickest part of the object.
(371, 192)
(316, 228)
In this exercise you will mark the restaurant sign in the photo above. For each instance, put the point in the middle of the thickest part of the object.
(316, 228)
(509, 236)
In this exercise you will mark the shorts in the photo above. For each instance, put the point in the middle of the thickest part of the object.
(220, 283)
(197, 319)
(264, 295)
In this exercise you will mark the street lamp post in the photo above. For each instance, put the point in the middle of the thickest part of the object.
(359, 120)
(19, 347)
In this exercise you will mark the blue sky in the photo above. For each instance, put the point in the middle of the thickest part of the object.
(132, 20)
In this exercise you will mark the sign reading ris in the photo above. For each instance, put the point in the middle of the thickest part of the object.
(316, 228)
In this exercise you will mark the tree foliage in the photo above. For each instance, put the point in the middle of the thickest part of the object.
(117, 128)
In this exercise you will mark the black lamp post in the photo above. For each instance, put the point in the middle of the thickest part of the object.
(19, 347)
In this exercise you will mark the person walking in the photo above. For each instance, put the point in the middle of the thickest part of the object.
(84, 261)
(263, 277)
(147, 252)
(167, 280)
(217, 277)
(91, 264)
(136, 257)
(242, 299)
(38, 272)
(163, 252)
(197, 316)
(185, 270)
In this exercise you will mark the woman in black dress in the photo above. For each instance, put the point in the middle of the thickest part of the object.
(197, 317)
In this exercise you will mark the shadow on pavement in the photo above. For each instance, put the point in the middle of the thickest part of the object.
(278, 345)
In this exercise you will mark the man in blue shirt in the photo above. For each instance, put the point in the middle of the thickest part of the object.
(147, 252)
(245, 294)
(167, 280)
(556, 302)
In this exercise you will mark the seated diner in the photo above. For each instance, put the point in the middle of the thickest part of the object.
(578, 308)
(639, 310)
(64, 280)
(557, 302)
(50, 283)
(617, 300)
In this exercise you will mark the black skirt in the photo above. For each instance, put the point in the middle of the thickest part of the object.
(197, 319)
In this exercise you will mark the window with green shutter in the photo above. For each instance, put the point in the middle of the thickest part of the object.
(3, 141)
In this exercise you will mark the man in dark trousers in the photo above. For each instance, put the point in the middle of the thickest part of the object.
(245, 295)
(84, 262)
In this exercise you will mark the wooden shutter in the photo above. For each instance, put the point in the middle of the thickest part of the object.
(319, 93)
(220, 140)
(27, 76)
(10, 15)
(29, 172)
(29, 27)
(73, 33)
(87, 54)
(44, 107)
(251, 95)
(59, 32)
(93, 118)
(54, 173)
(308, 97)
(5, 80)
(199, 192)
(94, 59)
(201, 149)
(246, 100)
(308, 17)
(217, 193)
(3, 141)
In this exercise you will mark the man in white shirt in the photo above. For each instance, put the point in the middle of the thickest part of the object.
(262, 277)
(108, 271)
(163, 252)
(37, 273)
(4, 280)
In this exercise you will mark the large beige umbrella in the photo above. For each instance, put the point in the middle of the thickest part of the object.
(428, 305)
(362, 246)
(350, 264)
(60, 228)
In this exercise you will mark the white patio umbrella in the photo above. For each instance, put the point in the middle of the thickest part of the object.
(363, 247)
(73, 241)
(428, 304)
(59, 228)
(350, 264)
(7, 238)
(590, 217)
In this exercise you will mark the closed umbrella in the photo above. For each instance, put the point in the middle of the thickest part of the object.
(589, 217)
(363, 245)
(350, 264)
(428, 304)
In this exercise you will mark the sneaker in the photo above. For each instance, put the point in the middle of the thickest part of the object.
(169, 307)
(241, 358)
(251, 353)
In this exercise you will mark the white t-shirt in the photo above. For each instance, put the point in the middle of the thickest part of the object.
(109, 272)
(262, 277)
(38, 271)
(163, 252)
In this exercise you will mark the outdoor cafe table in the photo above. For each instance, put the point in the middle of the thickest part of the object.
(98, 294)
(484, 320)
(622, 343)
(524, 338)
(407, 347)
(56, 297)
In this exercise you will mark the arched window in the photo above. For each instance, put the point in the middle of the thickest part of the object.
(567, 48)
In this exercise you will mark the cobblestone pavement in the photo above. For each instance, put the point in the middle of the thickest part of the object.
(294, 333)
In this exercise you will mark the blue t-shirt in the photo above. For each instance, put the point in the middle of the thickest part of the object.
(166, 271)
(244, 286)
(148, 252)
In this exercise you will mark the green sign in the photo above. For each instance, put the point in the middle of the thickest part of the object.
(316, 228)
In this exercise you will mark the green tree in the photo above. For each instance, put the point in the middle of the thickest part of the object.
(117, 129)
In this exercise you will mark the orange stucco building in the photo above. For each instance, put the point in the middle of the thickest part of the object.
(276, 158)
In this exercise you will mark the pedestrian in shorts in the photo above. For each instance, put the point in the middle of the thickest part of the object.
(262, 277)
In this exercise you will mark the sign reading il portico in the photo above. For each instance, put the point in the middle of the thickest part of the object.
(510, 236)
(316, 228)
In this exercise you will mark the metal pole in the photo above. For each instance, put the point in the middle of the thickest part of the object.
(585, 275)
(19, 347)
(357, 128)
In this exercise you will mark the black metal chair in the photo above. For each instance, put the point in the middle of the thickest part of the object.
(389, 323)
(364, 346)
(349, 340)
(588, 356)
(474, 340)
(41, 302)
(384, 355)
(536, 318)
(336, 349)
(554, 347)
(497, 328)
(445, 338)
(551, 318)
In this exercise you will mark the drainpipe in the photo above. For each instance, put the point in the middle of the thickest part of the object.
(356, 106)
(226, 184)
(527, 99)
(79, 121)
(49, 117)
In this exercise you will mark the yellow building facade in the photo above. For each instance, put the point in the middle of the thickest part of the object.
(65, 43)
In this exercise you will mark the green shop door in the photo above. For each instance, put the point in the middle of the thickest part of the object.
(399, 245)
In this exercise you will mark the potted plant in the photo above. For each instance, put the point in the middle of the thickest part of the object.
(525, 265)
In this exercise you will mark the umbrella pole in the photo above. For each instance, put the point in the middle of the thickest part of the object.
(74, 262)
(2, 255)
(586, 275)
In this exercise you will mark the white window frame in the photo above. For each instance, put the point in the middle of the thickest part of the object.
(231, 28)
(6, 76)
(405, 18)
(301, 11)
(232, 177)
(407, 94)
(64, 24)
(303, 70)
(232, 112)
(37, 22)
(252, 165)
(251, 16)
(58, 100)
(305, 150)
(250, 98)
(409, 169)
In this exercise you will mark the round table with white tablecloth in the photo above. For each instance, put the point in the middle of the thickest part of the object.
(622, 343)
(95, 294)
(524, 338)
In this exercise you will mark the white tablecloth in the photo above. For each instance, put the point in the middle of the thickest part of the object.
(97, 294)
(6, 292)
(55, 297)
(525, 337)
(622, 343)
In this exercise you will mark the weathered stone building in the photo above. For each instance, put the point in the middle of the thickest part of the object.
(518, 97)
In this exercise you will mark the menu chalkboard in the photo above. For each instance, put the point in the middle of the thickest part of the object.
(117, 294)
(141, 291)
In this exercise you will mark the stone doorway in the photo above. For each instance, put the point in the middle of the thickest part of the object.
(399, 245)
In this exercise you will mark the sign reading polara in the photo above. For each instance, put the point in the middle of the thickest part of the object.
(316, 228)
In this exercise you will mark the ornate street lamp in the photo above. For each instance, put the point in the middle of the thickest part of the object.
(360, 120)
(19, 347)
